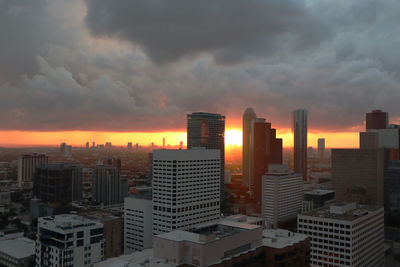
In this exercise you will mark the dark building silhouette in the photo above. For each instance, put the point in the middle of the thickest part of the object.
(377, 119)
(247, 156)
(266, 149)
(208, 130)
(299, 130)
(58, 183)
(392, 187)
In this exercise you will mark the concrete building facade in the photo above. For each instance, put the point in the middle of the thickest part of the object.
(27, 168)
(299, 131)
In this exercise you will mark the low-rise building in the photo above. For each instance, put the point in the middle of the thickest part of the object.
(18, 252)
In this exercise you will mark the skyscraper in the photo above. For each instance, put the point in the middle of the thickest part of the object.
(107, 185)
(377, 119)
(208, 130)
(321, 148)
(186, 188)
(58, 183)
(248, 117)
(299, 131)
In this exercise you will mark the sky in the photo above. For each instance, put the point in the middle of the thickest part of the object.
(119, 71)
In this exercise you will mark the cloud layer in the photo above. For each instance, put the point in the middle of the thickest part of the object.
(141, 65)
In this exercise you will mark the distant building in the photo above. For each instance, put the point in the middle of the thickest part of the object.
(319, 197)
(392, 187)
(208, 130)
(107, 186)
(321, 148)
(266, 149)
(186, 188)
(138, 223)
(58, 183)
(27, 167)
(377, 119)
(282, 192)
(227, 177)
(129, 146)
(108, 145)
(18, 252)
(344, 235)
(69, 240)
(87, 145)
(299, 131)
(247, 161)
(357, 175)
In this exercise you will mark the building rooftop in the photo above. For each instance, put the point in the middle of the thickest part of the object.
(67, 221)
(18, 248)
(319, 192)
(280, 238)
(342, 211)
(208, 232)
(142, 258)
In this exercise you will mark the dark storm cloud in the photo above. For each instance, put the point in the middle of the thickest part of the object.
(95, 65)
(229, 29)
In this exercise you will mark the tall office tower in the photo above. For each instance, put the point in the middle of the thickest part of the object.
(69, 240)
(357, 175)
(321, 148)
(282, 195)
(377, 119)
(129, 146)
(208, 130)
(344, 235)
(87, 145)
(93, 144)
(266, 149)
(163, 142)
(248, 117)
(138, 222)
(58, 183)
(186, 188)
(392, 187)
(107, 185)
(108, 145)
(180, 144)
(116, 162)
(299, 131)
(27, 167)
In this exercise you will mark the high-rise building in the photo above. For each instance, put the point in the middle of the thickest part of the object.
(299, 131)
(266, 149)
(282, 193)
(357, 175)
(58, 183)
(129, 146)
(163, 142)
(247, 162)
(377, 119)
(186, 188)
(87, 145)
(208, 130)
(392, 187)
(108, 145)
(27, 167)
(69, 240)
(344, 234)
(321, 148)
(138, 222)
(107, 185)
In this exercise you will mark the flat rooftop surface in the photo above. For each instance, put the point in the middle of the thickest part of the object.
(280, 238)
(319, 192)
(18, 248)
(67, 221)
(350, 215)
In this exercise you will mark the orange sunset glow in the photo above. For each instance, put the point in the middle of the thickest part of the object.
(233, 137)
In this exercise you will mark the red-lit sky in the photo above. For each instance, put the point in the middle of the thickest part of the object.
(120, 71)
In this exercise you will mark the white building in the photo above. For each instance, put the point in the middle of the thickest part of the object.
(69, 240)
(27, 167)
(138, 222)
(281, 195)
(186, 188)
(17, 252)
(344, 235)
